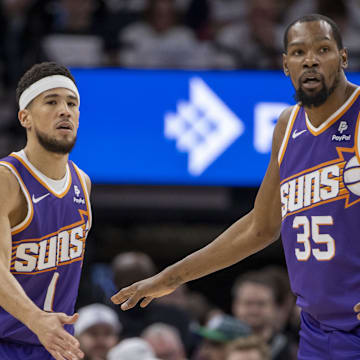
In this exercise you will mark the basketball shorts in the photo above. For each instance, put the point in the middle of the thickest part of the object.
(16, 351)
(318, 344)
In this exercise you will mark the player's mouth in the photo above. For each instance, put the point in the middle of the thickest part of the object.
(311, 80)
(65, 126)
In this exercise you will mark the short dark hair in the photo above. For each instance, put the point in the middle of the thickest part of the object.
(251, 342)
(39, 71)
(315, 17)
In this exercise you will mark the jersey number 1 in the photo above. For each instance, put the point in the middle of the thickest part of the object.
(312, 230)
(50, 294)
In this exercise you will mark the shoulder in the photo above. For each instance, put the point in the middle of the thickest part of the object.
(8, 181)
(281, 126)
(84, 176)
(9, 189)
(87, 180)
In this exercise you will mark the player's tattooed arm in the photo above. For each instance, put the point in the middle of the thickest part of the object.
(48, 327)
(251, 233)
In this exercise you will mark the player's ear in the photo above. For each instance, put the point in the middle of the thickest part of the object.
(344, 58)
(24, 118)
(285, 67)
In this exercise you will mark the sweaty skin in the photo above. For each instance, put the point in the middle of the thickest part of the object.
(311, 49)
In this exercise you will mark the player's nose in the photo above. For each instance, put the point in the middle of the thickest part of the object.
(310, 60)
(64, 110)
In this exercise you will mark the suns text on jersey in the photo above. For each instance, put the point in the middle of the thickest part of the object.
(49, 252)
(309, 189)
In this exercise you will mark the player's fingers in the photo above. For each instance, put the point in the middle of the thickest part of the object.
(70, 343)
(64, 353)
(65, 319)
(131, 302)
(122, 295)
(357, 307)
(145, 302)
(56, 354)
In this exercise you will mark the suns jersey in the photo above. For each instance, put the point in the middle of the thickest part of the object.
(320, 198)
(48, 246)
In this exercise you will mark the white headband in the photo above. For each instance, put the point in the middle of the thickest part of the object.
(44, 84)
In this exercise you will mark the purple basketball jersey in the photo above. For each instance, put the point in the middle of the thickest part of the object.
(320, 196)
(48, 246)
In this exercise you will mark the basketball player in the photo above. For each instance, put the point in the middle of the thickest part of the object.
(44, 220)
(310, 192)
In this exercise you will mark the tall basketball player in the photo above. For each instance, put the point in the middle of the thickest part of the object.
(44, 220)
(311, 193)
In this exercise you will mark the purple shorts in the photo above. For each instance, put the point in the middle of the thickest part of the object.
(16, 351)
(318, 344)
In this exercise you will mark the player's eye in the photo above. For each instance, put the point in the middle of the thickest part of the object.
(324, 49)
(51, 102)
(297, 52)
(71, 104)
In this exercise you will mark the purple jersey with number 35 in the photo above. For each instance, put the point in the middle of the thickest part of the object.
(320, 197)
(48, 246)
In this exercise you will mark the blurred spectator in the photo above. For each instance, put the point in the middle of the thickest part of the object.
(256, 43)
(248, 348)
(131, 349)
(220, 330)
(20, 36)
(160, 42)
(227, 12)
(97, 330)
(165, 341)
(287, 319)
(130, 267)
(78, 36)
(284, 298)
(194, 303)
(255, 302)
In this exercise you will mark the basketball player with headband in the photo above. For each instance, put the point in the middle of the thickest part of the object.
(45, 217)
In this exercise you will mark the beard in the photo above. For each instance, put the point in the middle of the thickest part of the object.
(319, 98)
(55, 146)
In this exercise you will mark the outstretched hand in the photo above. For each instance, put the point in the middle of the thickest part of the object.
(147, 290)
(49, 328)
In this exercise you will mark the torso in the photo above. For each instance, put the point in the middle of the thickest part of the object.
(49, 228)
(320, 196)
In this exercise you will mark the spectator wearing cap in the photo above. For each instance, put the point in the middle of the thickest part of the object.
(219, 331)
(97, 330)
(131, 349)
(248, 348)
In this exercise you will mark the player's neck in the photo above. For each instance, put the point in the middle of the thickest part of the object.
(50, 164)
(317, 115)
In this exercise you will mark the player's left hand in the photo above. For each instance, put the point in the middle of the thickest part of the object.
(357, 310)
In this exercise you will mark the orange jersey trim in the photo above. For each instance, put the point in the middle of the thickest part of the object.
(285, 142)
(80, 222)
(46, 270)
(41, 181)
(343, 191)
(85, 191)
(28, 200)
(351, 100)
(356, 140)
(340, 150)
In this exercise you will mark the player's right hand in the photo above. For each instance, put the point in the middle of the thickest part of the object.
(49, 328)
(147, 290)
